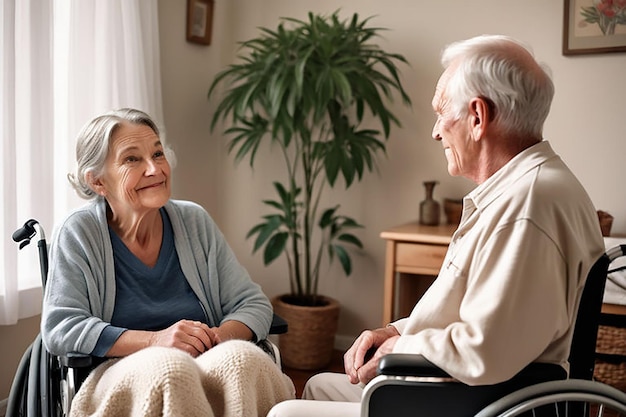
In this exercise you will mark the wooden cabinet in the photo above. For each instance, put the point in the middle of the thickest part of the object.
(414, 256)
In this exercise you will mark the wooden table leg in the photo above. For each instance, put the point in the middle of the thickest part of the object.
(389, 283)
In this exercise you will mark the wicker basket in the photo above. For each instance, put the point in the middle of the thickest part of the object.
(606, 222)
(309, 342)
(611, 340)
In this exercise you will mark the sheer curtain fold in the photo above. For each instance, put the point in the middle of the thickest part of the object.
(63, 62)
(26, 119)
(114, 56)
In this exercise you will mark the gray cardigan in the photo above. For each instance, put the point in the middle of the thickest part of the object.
(80, 292)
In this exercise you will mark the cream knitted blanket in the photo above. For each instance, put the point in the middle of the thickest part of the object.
(233, 379)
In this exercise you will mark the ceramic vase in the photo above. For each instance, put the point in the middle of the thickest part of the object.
(430, 209)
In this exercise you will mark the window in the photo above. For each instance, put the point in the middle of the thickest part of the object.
(63, 62)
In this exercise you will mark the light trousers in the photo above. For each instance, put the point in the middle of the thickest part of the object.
(325, 395)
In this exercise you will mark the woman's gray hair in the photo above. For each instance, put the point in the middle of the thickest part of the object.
(93, 144)
(520, 94)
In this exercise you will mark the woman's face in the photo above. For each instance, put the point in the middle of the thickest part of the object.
(136, 174)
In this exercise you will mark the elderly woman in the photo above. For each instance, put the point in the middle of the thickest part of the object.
(138, 276)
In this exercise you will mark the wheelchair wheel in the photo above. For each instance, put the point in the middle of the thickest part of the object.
(568, 398)
(16, 404)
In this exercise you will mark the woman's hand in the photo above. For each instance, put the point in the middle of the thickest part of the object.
(193, 337)
(361, 360)
(231, 329)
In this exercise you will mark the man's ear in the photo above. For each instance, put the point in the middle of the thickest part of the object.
(96, 184)
(480, 116)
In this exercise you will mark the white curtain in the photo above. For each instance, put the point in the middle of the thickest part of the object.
(63, 62)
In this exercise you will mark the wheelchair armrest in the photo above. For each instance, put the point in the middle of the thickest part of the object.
(406, 364)
(279, 325)
(76, 360)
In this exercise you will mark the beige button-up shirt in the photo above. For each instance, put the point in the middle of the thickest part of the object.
(509, 288)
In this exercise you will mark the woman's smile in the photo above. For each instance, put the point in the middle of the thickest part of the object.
(150, 186)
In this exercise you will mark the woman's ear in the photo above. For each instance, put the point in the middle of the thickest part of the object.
(95, 183)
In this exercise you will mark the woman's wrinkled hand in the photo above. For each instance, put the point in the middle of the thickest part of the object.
(361, 360)
(193, 337)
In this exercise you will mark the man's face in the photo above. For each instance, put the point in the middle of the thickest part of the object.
(454, 133)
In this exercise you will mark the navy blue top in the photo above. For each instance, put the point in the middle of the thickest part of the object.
(148, 298)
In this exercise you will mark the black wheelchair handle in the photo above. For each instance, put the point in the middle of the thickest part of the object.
(25, 233)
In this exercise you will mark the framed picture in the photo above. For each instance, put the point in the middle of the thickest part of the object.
(199, 21)
(594, 26)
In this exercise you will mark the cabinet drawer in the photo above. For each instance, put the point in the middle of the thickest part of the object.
(415, 255)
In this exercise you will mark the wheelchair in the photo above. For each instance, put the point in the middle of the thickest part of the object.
(410, 385)
(44, 385)
(573, 397)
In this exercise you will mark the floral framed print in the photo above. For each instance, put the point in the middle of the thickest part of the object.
(594, 26)
(199, 21)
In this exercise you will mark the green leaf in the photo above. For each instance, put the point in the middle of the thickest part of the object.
(274, 204)
(275, 246)
(344, 258)
(327, 217)
(317, 90)
(265, 231)
(349, 238)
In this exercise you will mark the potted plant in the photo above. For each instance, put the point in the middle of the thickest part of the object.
(306, 88)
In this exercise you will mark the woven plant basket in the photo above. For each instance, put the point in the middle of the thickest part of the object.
(606, 222)
(309, 341)
(611, 340)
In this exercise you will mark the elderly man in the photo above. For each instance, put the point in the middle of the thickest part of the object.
(509, 288)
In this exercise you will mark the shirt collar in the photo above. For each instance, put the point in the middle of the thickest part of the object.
(506, 176)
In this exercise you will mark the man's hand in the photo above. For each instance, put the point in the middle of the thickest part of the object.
(367, 372)
(358, 366)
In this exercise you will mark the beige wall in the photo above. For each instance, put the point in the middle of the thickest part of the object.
(586, 125)
(15, 340)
